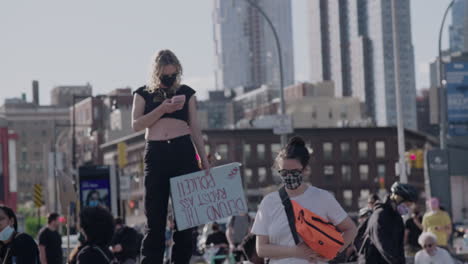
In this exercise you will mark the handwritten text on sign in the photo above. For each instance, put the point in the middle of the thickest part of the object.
(198, 198)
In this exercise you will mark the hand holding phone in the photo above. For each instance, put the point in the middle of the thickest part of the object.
(178, 99)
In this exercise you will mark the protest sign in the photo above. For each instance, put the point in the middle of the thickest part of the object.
(198, 198)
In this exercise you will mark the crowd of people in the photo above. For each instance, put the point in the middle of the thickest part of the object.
(298, 224)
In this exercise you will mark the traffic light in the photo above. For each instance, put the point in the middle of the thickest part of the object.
(122, 154)
(419, 161)
(382, 182)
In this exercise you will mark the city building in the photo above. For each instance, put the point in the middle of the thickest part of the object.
(309, 105)
(245, 48)
(351, 163)
(214, 113)
(351, 44)
(62, 96)
(423, 106)
(99, 119)
(8, 167)
(37, 127)
(459, 27)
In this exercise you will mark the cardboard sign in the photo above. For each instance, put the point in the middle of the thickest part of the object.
(198, 198)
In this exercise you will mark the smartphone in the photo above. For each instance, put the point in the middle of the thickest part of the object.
(178, 99)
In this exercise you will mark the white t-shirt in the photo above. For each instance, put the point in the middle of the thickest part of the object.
(271, 218)
(441, 257)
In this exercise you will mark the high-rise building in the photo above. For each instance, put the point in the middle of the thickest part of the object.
(351, 44)
(245, 48)
(459, 27)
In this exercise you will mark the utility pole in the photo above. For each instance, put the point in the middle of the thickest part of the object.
(400, 126)
(280, 61)
(442, 90)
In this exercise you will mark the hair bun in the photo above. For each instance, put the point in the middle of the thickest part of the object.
(296, 141)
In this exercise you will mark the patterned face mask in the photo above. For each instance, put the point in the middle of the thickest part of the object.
(292, 179)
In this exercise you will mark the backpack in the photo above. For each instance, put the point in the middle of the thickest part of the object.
(319, 234)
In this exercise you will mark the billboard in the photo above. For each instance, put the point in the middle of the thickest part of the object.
(98, 187)
(457, 98)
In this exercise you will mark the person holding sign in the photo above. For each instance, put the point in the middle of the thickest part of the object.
(274, 236)
(167, 110)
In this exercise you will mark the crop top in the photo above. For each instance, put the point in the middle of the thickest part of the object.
(150, 103)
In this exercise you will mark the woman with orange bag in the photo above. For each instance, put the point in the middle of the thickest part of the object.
(274, 237)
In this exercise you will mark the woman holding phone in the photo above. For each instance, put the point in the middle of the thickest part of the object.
(166, 109)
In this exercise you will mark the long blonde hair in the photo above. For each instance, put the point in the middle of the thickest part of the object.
(163, 58)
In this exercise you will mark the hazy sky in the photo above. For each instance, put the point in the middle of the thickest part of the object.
(109, 43)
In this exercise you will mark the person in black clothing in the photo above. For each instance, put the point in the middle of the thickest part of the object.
(166, 110)
(383, 241)
(125, 243)
(17, 248)
(413, 229)
(97, 225)
(218, 239)
(50, 241)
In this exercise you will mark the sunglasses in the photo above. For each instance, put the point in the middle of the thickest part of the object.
(169, 75)
(295, 172)
(428, 245)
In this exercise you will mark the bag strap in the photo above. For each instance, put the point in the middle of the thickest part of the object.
(289, 212)
(99, 250)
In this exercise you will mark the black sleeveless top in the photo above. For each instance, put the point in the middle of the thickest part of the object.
(151, 103)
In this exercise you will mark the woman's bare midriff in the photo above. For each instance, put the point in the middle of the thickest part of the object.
(167, 128)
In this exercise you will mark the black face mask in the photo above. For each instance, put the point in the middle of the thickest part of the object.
(168, 80)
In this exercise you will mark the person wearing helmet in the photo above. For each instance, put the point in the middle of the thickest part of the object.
(383, 242)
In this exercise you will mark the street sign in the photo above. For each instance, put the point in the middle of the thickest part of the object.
(37, 196)
(281, 124)
(457, 98)
(125, 184)
(439, 176)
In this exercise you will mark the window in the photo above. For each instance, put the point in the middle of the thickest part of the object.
(363, 196)
(248, 175)
(381, 171)
(24, 153)
(275, 149)
(330, 114)
(348, 197)
(262, 173)
(327, 150)
(261, 151)
(207, 149)
(44, 133)
(346, 172)
(380, 149)
(328, 171)
(364, 172)
(223, 151)
(345, 150)
(362, 148)
(247, 152)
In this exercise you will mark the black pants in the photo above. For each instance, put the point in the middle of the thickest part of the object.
(164, 160)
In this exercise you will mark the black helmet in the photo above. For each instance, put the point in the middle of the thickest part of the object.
(405, 191)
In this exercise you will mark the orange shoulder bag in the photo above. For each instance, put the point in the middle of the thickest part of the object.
(320, 235)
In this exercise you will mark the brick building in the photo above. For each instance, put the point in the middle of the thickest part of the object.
(348, 162)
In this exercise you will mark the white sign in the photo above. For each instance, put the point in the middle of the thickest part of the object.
(125, 182)
(281, 124)
(198, 198)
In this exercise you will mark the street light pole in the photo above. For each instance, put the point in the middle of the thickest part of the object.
(442, 92)
(73, 135)
(400, 126)
(280, 60)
